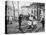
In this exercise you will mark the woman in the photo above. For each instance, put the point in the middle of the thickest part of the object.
(30, 22)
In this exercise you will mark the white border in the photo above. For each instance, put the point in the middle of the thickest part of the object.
(2, 17)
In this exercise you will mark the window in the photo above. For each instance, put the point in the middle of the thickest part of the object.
(35, 12)
(31, 11)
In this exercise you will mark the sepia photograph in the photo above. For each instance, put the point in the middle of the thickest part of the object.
(24, 17)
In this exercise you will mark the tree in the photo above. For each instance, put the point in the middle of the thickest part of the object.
(13, 9)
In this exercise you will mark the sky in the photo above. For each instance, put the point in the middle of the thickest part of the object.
(21, 3)
(24, 4)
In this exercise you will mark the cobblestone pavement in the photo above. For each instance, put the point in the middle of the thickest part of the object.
(14, 28)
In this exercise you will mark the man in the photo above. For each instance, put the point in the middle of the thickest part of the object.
(10, 20)
(20, 18)
(43, 22)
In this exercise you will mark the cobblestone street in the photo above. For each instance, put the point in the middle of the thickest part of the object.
(14, 28)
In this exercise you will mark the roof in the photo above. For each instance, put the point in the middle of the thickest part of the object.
(40, 5)
(25, 7)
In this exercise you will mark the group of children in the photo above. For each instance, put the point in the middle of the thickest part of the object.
(30, 21)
